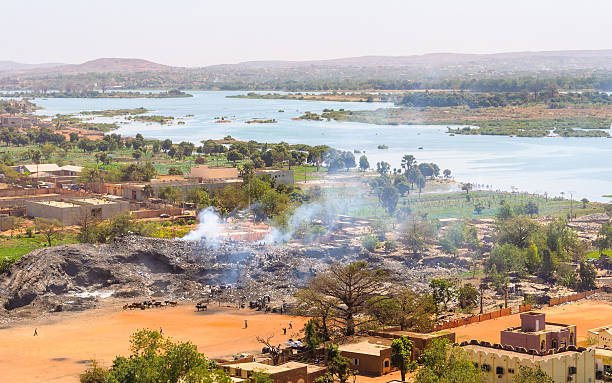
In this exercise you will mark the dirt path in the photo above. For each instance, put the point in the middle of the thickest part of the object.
(585, 315)
(63, 346)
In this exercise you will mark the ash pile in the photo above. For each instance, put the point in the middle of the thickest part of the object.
(77, 277)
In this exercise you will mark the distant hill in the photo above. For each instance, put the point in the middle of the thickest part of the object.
(102, 65)
(13, 66)
(597, 57)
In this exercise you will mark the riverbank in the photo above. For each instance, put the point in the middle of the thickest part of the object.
(524, 121)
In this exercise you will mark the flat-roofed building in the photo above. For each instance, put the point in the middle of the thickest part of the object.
(420, 341)
(603, 336)
(290, 372)
(280, 176)
(369, 357)
(603, 361)
(537, 334)
(500, 364)
(204, 172)
(72, 211)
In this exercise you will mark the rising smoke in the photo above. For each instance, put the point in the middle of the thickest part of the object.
(208, 229)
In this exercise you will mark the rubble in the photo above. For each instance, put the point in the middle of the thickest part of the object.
(76, 277)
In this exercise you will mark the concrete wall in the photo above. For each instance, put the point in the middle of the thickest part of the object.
(204, 172)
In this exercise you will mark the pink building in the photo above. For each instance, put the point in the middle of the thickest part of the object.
(537, 334)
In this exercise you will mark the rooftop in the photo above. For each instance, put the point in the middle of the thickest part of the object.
(93, 201)
(267, 368)
(550, 327)
(59, 204)
(364, 347)
(523, 354)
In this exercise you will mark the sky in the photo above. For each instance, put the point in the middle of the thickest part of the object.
(200, 33)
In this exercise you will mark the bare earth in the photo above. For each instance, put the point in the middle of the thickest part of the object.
(63, 346)
(585, 315)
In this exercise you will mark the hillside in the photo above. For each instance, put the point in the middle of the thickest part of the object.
(102, 65)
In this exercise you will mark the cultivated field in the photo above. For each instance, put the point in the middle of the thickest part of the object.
(63, 346)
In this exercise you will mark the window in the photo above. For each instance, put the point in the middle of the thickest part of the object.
(386, 363)
(563, 342)
(475, 364)
(485, 367)
(510, 370)
(356, 361)
(543, 345)
(554, 343)
(571, 370)
(499, 370)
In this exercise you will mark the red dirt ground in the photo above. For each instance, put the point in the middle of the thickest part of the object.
(63, 346)
(585, 315)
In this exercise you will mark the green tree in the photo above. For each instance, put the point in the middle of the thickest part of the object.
(49, 228)
(585, 202)
(352, 287)
(260, 377)
(443, 291)
(531, 375)
(410, 310)
(415, 233)
(388, 197)
(170, 194)
(401, 355)
(444, 364)
(337, 365)
(370, 243)
(94, 374)
(157, 359)
(199, 197)
(364, 164)
(234, 155)
(588, 274)
(467, 295)
(311, 336)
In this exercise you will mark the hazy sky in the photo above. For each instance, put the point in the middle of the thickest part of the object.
(198, 33)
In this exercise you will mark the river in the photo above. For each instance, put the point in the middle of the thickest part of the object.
(581, 167)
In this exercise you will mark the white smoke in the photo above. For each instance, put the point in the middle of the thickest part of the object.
(208, 229)
(322, 213)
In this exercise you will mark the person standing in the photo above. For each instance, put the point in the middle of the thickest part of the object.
(290, 325)
(245, 324)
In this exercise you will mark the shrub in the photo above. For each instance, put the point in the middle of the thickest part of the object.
(370, 243)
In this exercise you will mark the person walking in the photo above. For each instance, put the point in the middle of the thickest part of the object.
(246, 324)
(161, 331)
(35, 332)
(290, 325)
(284, 330)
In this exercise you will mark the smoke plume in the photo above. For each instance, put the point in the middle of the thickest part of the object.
(208, 229)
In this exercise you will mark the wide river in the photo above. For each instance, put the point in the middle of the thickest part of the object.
(578, 166)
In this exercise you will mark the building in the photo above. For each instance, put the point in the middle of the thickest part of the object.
(135, 191)
(71, 211)
(280, 176)
(500, 364)
(603, 361)
(204, 172)
(290, 372)
(602, 335)
(18, 122)
(369, 357)
(420, 341)
(49, 169)
(537, 334)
